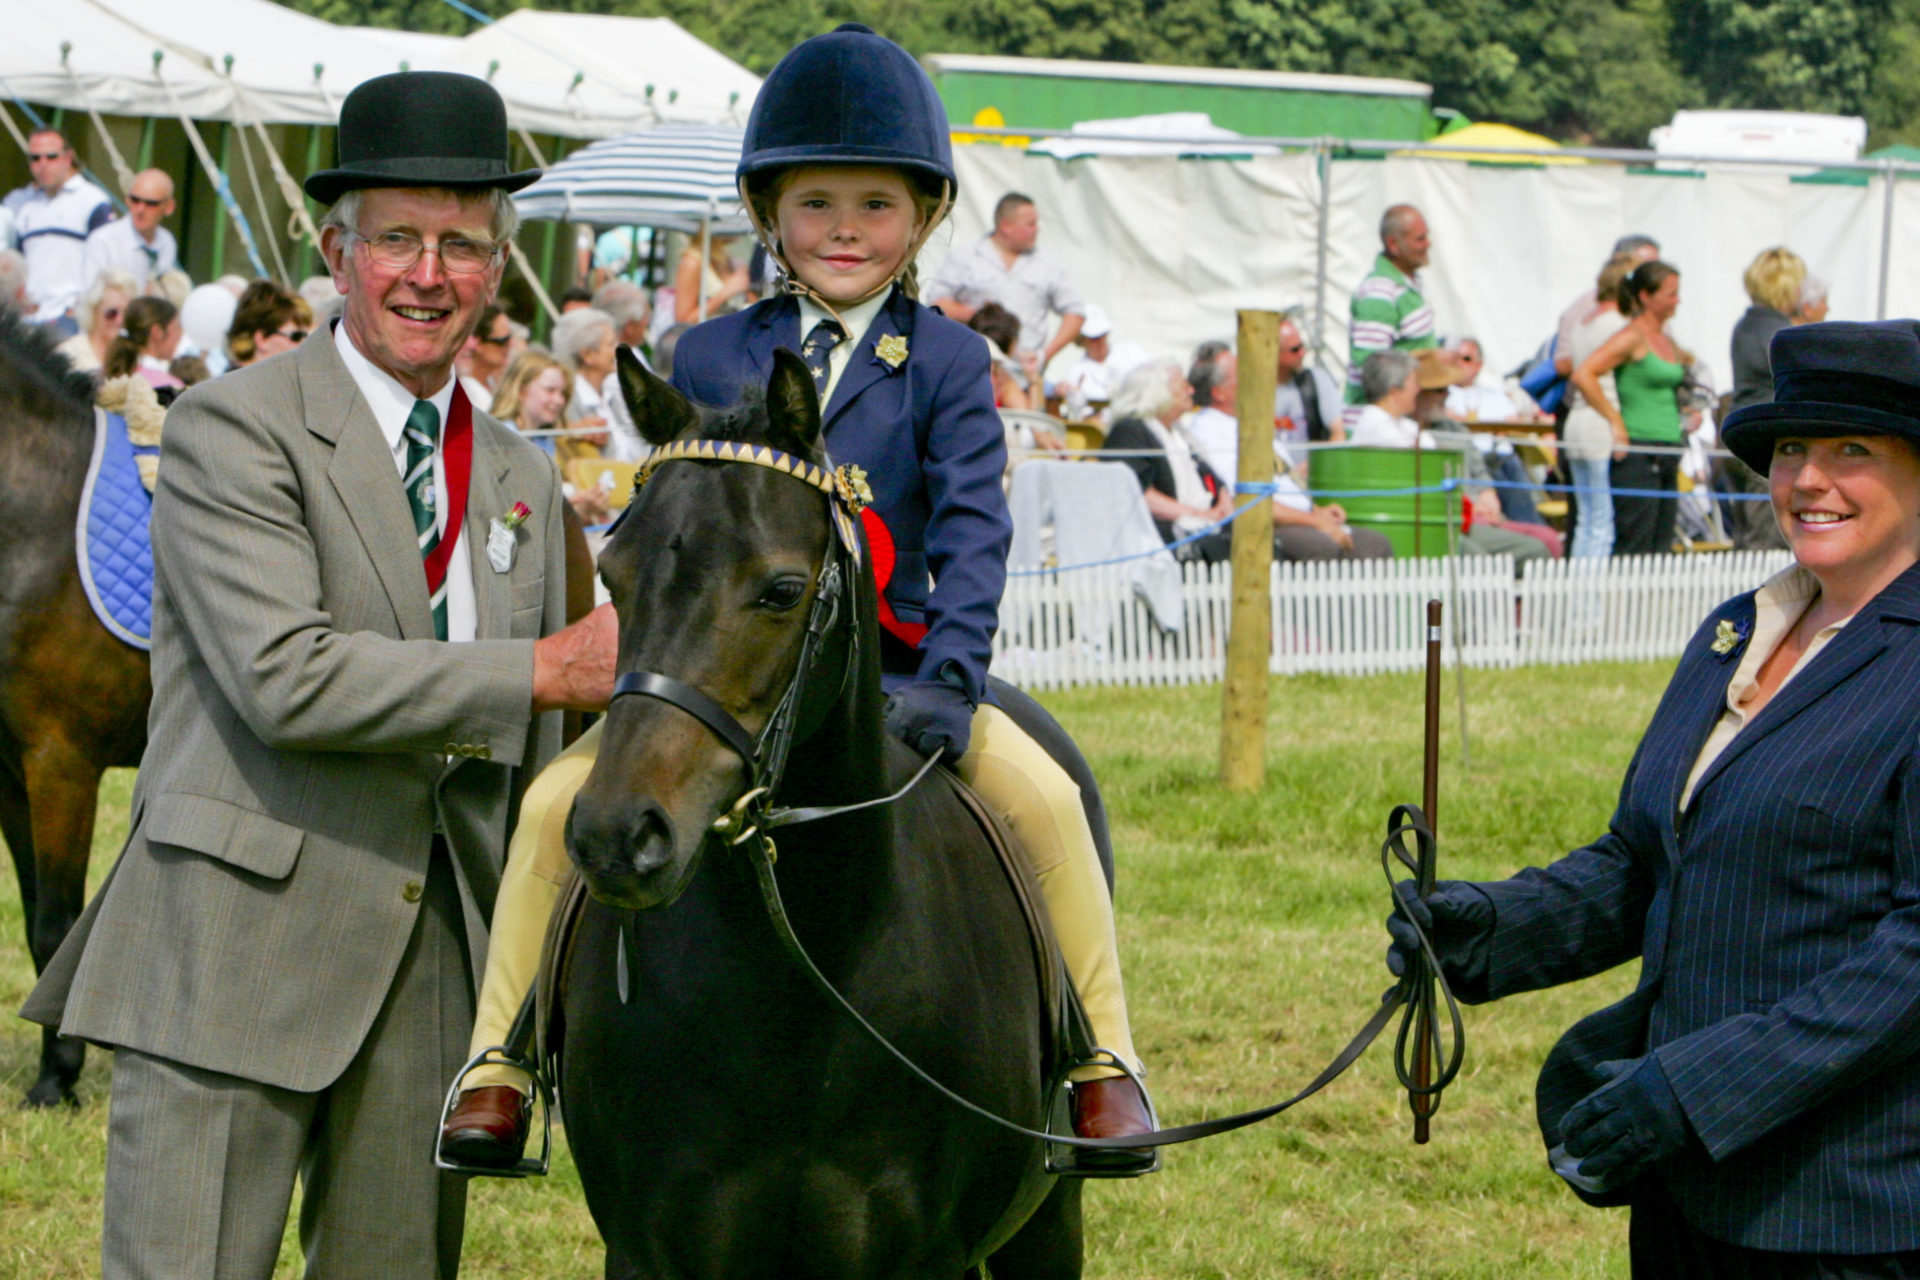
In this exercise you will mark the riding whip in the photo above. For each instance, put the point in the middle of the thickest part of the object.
(1421, 1023)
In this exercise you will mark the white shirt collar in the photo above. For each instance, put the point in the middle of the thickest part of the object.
(391, 403)
(856, 320)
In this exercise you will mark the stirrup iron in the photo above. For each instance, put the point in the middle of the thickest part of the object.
(1064, 1161)
(527, 1166)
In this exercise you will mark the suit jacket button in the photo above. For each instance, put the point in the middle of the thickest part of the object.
(451, 749)
(483, 751)
(410, 892)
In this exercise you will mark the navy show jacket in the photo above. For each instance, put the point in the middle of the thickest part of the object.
(927, 434)
(1777, 922)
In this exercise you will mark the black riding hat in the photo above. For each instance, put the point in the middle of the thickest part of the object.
(421, 129)
(848, 97)
(1834, 379)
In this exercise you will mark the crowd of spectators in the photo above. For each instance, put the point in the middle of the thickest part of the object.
(109, 281)
(112, 285)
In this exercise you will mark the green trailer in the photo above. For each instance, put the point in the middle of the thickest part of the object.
(1048, 93)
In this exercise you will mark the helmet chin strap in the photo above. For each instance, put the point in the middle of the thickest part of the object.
(791, 283)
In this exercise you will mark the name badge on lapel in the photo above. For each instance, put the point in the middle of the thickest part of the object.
(502, 541)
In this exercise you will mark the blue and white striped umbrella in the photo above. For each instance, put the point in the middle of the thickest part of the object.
(676, 176)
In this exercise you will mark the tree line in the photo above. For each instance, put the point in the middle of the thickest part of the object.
(1581, 71)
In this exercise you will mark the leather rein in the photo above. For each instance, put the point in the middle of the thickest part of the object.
(747, 824)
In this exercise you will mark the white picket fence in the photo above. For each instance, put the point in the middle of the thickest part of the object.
(1085, 626)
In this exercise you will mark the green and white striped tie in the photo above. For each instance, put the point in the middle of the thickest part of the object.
(422, 429)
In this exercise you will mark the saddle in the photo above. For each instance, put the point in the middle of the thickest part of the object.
(111, 538)
(1066, 1036)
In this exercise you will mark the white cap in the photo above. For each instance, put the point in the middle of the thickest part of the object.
(1094, 323)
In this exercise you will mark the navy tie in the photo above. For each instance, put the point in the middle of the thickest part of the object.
(818, 348)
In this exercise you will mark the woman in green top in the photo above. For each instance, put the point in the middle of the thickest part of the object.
(1647, 369)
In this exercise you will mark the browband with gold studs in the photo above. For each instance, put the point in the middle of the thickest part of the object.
(846, 484)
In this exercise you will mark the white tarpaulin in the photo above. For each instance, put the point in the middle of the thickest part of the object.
(1170, 247)
(633, 71)
(1173, 247)
(575, 75)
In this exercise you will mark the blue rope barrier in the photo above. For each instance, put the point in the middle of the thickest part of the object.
(1625, 493)
(1177, 543)
(1259, 491)
(1454, 483)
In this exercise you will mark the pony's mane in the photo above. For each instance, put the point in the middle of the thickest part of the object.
(745, 421)
(36, 375)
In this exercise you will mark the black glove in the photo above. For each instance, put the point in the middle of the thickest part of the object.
(933, 716)
(1458, 919)
(1627, 1124)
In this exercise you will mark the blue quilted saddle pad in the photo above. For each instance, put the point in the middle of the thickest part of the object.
(112, 537)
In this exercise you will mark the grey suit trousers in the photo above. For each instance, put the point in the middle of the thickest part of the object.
(201, 1165)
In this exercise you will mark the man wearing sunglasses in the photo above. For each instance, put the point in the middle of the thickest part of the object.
(137, 244)
(348, 672)
(53, 216)
(1307, 402)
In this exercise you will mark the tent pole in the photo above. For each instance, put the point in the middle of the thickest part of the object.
(220, 224)
(1886, 235)
(308, 252)
(1323, 153)
(146, 141)
(540, 293)
(549, 232)
(706, 250)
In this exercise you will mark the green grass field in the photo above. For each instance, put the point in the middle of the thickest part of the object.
(1251, 928)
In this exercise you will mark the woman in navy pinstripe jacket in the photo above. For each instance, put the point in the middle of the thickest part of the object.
(1757, 1099)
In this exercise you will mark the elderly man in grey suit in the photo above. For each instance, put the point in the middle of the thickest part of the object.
(357, 632)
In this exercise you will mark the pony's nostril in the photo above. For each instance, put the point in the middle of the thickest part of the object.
(619, 839)
(650, 839)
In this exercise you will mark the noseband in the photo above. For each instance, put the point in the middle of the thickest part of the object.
(766, 757)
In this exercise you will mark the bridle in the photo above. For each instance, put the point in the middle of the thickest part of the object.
(747, 823)
(765, 757)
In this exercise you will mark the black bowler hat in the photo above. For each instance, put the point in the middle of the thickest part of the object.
(1834, 379)
(421, 129)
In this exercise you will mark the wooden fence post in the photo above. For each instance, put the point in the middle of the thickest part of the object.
(1243, 721)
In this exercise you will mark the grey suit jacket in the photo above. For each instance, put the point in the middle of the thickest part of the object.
(308, 734)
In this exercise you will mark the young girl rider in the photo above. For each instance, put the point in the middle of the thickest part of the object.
(845, 171)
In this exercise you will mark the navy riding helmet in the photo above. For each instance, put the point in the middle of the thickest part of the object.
(848, 97)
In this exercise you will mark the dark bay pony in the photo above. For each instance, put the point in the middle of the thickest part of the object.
(73, 698)
(725, 1120)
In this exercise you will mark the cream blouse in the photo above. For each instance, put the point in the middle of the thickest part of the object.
(1777, 606)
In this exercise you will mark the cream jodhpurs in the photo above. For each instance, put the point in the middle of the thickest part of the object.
(1018, 780)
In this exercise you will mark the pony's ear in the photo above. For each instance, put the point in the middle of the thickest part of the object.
(793, 406)
(659, 412)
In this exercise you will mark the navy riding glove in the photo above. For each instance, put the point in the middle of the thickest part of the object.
(933, 716)
(1459, 921)
(1627, 1124)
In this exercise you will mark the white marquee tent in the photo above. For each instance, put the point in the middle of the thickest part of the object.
(1172, 246)
(247, 61)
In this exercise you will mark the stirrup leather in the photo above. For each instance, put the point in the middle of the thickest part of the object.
(1066, 1162)
(527, 1166)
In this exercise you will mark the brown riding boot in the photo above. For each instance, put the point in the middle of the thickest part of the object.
(487, 1128)
(1113, 1107)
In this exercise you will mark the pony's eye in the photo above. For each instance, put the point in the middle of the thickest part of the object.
(784, 594)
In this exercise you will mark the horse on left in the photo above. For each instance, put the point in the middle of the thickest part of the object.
(73, 696)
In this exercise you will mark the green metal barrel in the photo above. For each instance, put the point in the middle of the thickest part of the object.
(1373, 485)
